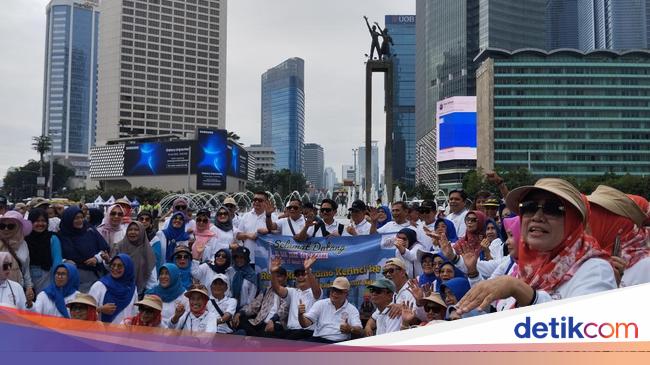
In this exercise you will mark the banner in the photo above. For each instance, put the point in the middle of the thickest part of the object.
(359, 258)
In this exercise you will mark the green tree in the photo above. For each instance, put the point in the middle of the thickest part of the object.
(20, 183)
(282, 182)
(42, 145)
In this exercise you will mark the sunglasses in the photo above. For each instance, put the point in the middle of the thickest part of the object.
(376, 290)
(118, 214)
(223, 214)
(293, 207)
(6, 266)
(144, 219)
(117, 266)
(180, 207)
(471, 220)
(431, 308)
(550, 207)
(337, 290)
(8, 226)
(78, 307)
(258, 200)
(230, 206)
(202, 220)
(326, 210)
(221, 255)
(390, 271)
(144, 309)
(183, 257)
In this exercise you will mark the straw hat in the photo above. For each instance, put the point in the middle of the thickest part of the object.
(82, 298)
(198, 289)
(435, 298)
(558, 187)
(618, 203)
(151, 301)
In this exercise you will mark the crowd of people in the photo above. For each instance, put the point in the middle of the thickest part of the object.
(195, 271)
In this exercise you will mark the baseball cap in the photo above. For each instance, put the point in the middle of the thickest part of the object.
(341, 283)
(383, 284)
(358, 205)
(492, 202)
(397, 262)
(241, 251)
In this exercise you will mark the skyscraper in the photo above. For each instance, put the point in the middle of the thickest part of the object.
(70, 85)
(402, 31)
(330, 179)
(283, 113)
(511, 24)
(314, 161)
(361, 163)
(162, 68)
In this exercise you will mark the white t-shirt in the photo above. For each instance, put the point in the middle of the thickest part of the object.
(594, 275)
(384, 323)
(637, 274)
(12, 295)
(328, 319)
(222, 240)
(363, 228)
(98, 291)
(250, 223)
(459, 222)
(285, 228)
(425, 240)
(169, 308)
(331, 228)
(294, 296)
(204, 273)
(227, 305)
(207, 322)
(45, 306)
(394, 227)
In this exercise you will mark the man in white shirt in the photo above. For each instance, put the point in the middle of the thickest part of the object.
(335, 318)
(399, 210)
(359, 226)
(290, 225)
(324, 226)
(458, 211)
(254, 223)
(198, 319)
(395, 271)
(428, 211)
(381, 295)
(306, 292)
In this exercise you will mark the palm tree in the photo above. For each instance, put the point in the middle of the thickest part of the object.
(233, 136)
(42, 145)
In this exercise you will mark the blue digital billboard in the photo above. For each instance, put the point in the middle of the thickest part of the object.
(213, 159)
(157, 158)
(458, 130)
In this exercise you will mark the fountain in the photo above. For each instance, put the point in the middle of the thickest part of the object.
(397, 194)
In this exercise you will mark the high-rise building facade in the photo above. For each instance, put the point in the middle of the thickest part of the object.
(564, 112)
(70, 85)
(314, 162)
(401, 29)
(283, 113)
(264, 157)
(511, 24)
(561, 24)
(330, 179)
(374, 163)
(162, 67)
(348, 173)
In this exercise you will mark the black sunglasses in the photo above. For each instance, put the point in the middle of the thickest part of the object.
(117, 214)
(258, 200)
(376, 290)
(183, 257)
(431, 308)
(550, 207)
(202, 220)
(221, 214)
(326, 210)
(337, 290)
(390, 271)
(8, 226)
(293, 207)
(144, 219)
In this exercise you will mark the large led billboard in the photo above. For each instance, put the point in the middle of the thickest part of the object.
(157, 158)
(456, 122)
(213, 159)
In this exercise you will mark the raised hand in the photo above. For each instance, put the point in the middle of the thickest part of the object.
(470, 259)
(374, 214)
(351, 230)
(415, 289)
(400, 244)
(446, 248)
(309, 261)
(108, 308)
(301, 308)
(493, 177)
(345, 327)
(268, 207)
(408, 313)
(91, 261)
(276, 263)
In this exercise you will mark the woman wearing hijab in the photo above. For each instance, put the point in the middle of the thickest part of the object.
(82, 245)
(442, 227)
(406, 248)
(146, 218)
(430, 263)
(116, 292)
(44, 249)
(225, 234)
(13, 230)
(244, 282)
(11, 292)
(203, 236)
(452, 292)
(63, 288)
(170, 289)
(207, 271)
(474, 234)
(385, 216)
(557, 258)
(616, 221)
(112, 228)
(168, 239)
(136, 245)
(95, 217)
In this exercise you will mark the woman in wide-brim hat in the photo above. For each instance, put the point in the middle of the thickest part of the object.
(13, 230)
(556, 257)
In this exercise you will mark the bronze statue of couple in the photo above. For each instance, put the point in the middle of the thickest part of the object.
(383, 52)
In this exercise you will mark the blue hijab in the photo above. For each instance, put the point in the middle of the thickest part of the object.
(58, 294)
(174, 235)
(245, 272)
(458, 273)
(451, 230)
(119, 291)
(389, 216)
(175, 288)
(458, 286)
(425, 278)
(79, 244)
(185, 273)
